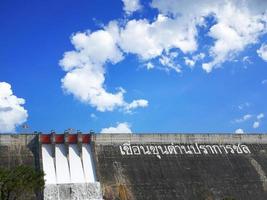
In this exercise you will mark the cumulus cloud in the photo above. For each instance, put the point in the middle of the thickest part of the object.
(120, 128)
(262, 52)
(85, 68)
(150, 39)
(135, 104)
(12, 112)
(131, 6)
(237, 24)
(239, 131)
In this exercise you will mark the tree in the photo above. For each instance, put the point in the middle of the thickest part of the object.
(20, 182)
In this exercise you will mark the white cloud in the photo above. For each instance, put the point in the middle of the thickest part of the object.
(120, 128)
(238, 24)
(256, 124)
(12, 113)
(246, 60)
(199, 56)
(93, 116)
(256, 118)
(207, 67)
(244, 105)
(262, 52)
(169, 63)
(260, 116)
(135, 104)
(189, 62)
(136, 38)
(85, 68)
(264, 81)
(244, 118)
(149, 40)
(131, 6)
(149, 65)
(239, 131)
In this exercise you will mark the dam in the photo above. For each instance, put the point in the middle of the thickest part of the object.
(143, 166)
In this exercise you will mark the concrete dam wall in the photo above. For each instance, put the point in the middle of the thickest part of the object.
(191, 167)
(147, 166)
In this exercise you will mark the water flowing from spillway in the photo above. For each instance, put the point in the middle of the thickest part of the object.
(89, 171)
(48, 164)
(69, 173)
(62, 165)
(76, 168)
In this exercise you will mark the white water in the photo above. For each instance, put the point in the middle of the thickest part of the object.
(48, 164)
(62, 165)
(89, 172)
(69, 177)
(76, 168)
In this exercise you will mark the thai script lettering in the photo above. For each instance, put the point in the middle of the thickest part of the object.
(173, 149)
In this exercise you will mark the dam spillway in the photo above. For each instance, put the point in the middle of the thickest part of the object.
(76, 168)
(68, 168)
(48, 164)
(143, 166)
(89, 172)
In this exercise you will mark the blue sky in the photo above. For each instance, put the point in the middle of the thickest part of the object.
(134, 66)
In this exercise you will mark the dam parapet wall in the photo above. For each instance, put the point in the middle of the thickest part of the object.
(180, 138)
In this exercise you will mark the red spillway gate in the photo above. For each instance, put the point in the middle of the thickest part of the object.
(45, 138)
(72, 138)
(86, 138)
(59, 138)
(62, 138)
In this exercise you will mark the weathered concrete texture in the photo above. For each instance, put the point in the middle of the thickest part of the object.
(181, 176)
(19, 149)
(77, 191)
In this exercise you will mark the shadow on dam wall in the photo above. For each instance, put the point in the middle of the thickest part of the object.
(182, 167)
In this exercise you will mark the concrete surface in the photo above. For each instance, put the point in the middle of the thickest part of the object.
(181, 176)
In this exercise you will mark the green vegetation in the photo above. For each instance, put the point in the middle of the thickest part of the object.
(20, 182)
